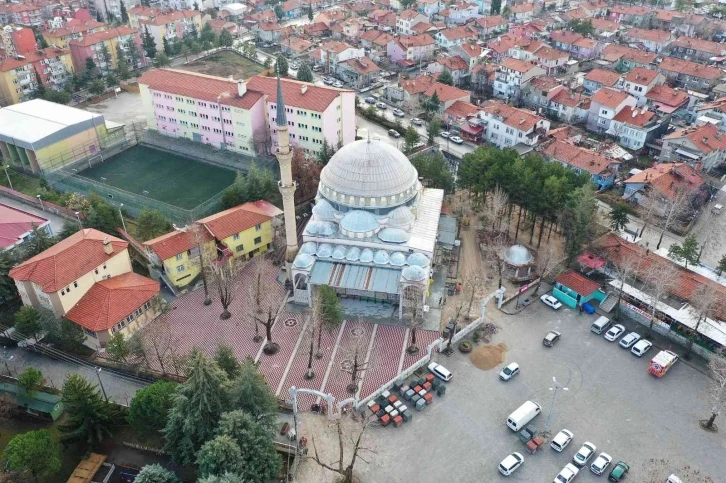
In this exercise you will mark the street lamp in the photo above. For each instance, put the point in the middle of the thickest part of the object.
(98, 373)
(5, 167)
(41, 202)
(122, 216)
(78, 217)
(7, 358)
(552, 405)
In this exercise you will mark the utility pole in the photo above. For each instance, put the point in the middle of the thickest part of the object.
(552, 404)
(100, 382)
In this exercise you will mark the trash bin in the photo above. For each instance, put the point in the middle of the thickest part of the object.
(416, 398)
(420, 404)
(409, 394)
(440, 390)
(407, 416)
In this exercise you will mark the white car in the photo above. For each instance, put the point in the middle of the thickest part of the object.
(561, 440)
(456, 140)
(584, 454)
(641, 347)
(416, 121)
(509, 372)
(398, 113)
(551, 301)
(444, 134)
(381, 105)
(370, 100)
(601, 463)
(338, 85)
(440, 371)
(511, 463)
(567, 474)
(614, 332)
(328, 80)
(630, 339)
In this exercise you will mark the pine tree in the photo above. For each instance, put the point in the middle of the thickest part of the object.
(167, 46)
(89, 416)
(90, 66)
(496, 7)
(124, 13)
(148, 43)
(282, 65)
(122, 65)
(304, 73)
(446, 78)
(133, 54)
(310, 12)
(37, 242)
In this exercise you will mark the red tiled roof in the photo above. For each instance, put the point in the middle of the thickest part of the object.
(362, 65)
(614, 52)
(75, 26)
(262, 207)
(472, 50)
(199, 86)
(565, 36)
(315, 98)
(609, 97)
(567, 98)
(511, 116)
(68, 260)
(491, 22)
(335, 46)
(457, 33)
(517, 65)
(407, 41)
(234, 220)
(667, 178)
(641, 75)
(700, 45)
(549, 53)
(12, 63)
(408, 14)
(94, 38)
(690, 68)
(577, 157)
(171, 17)
(370, 35)
(545, 83)
(585, 43)
(454, 63)
(604, 25)
(297, 44)
(706, 137)
(667, 95)
(421, 27)
(176, 242)
(659, 36)
(15, 223)
(417, 85)
(579, 283)
(446, 93)
(383, 39)
(523, 8)
(634, 116)
(630, 10)
(607, 78)
(110, 301)
(462, 109)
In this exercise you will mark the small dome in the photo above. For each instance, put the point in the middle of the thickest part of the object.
(381, 257)
(324, 210)
(339, 252)
(414, 273)
(303, 260)
(418, 259)
(393, 235)
(401, 217)
(366, 255)
(321, 228)
(309, 248)
(353, 254)
(398, 259)
(518, 255)
(358, 221)
(325, 250)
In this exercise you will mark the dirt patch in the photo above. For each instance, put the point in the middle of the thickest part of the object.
(488, 357)
(224, 64)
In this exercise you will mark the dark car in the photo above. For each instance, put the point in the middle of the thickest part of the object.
(393, 133)
(551, 338)
(618, 473)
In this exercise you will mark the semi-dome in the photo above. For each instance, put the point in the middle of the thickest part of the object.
(418, 259)
(394, 235)
(325, 250)
(303, 260)
(414, 273)
(381, 257)
(366, 255)
(321, 228)
(518, 255)
(400, 217)
(359, 221)
(398, 259)
(309, 248)
(368, 169)
(339, 252)
(353, 254)
(324, 210)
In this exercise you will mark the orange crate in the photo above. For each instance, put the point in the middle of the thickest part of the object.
(385, 420)
(397, 421)
(392, 399)
(427, 386)
(429, 398)
(429, 378)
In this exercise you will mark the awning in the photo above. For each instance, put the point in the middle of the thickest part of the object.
(687, 154)
(473, 130)
(666, 108)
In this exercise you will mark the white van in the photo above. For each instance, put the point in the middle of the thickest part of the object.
(523, 415)
(600, 325)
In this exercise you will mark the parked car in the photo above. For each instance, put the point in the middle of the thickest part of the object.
(509, 372)
(393, 133)
(317, 68)
(630, 339)
(440, 371)
(510, 464)
(551, 301)
(567, 474)
(338, 84)
(416, 121)
(370, 100)
(551, 338)
(584, 454)
(444, 134)
(398, 113)
(561, 440)
(641, 347)
(601, 463)
(619, 471)
(456, 140)
(614, 332)
(328, 80)
(381, 105)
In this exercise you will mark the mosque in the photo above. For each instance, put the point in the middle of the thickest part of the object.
(373, 229)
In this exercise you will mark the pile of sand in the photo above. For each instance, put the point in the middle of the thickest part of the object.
(488, 356)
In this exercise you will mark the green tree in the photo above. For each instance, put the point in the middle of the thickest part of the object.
(196, 5)
(279, 11)
(577, 219)
(71, 336)
(405, 4)
(281, 65)
(506, 12)
(432, 104)
(149, 410)
(133, 54)
(148, 43)
(496, 7)
(310, 12)
(97, 87)
(59, 97)
(166, 45)
(124, 13)
(195, 48)
(680, 5)
(90, 65)
(721, 267)
(28, 322)
(89, 417)
(34, 454)
(446, 78)
(411, 137)
(686, 252)
(197, 407)
(619, 216)
(40, 88)
(581, 26)
(224, 478)
(8, 291)
(99, 16)
(102, 216)
(251, 394)
(326, 152)
(258, 184)
(155, 474)
(226, 360)
(122, 64)
(331, 314)
(31, 380)
(225, 39)
(220, 455)
(105, 56)
(305, 74)
(207, 34)
(434, 170)
(37, 242)
(433, 130)
(111, 79)
(151, 224)
(39, 39)
(117, 348)
(161, 60)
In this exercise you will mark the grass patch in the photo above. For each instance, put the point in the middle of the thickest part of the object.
(224, 64)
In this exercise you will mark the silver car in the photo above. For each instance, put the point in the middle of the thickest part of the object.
(601, 463)
(614, 332)
(584, 454)
(630, 339)
(561, 440)
(509, 372)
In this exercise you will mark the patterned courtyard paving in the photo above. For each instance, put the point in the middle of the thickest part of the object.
(189, 324)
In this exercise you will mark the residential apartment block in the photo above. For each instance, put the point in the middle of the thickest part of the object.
(241, 115)
(411, 49)
(92, 46)
(72, 30)
(19, 75)
(170, 26)
(104, 8)
(603, 170)
(605, 104)
(506, 126)
(704, 144)
(513, 75)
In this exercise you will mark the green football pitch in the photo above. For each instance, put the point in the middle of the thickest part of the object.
(165, 177)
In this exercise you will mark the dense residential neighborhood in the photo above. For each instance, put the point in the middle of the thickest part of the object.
(331, 241)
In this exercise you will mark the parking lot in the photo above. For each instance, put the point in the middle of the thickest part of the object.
(612, 401)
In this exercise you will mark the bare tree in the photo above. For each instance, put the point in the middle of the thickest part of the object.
(627, 267)
(546, 265)
(355, 363)
(659, 278)
(471, 285)
(309, 337)
(674, 208)
(717, 388)
(413, 314)
(706, 301)
(204, 258)
(267, 322)
(494, 211)
(657, 470)
(151, 345)
(262, 140)
(8, 406)
(341, 467)
(494, 251)
(255, 309)
(224, 279)
(709, 233)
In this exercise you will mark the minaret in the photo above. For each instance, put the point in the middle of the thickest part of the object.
(286, 184)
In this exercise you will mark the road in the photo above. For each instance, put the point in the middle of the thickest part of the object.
(56, 222)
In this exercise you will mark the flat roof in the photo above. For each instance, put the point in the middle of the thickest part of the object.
(38, 123)
(355, 277)
(426, 227)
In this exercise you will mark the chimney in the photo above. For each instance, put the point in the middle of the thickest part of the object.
(635, 113)
(303, 89)
(704, 139)
(241, 87)
(107, 247)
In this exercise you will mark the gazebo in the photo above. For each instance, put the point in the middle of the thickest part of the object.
(520, 264)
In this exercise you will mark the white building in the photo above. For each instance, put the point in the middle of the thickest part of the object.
(639, 81)
(513, 75)
(506, 126)
(605, 104)
(407, 19)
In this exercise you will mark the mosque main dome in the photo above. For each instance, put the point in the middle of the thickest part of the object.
(369, 173)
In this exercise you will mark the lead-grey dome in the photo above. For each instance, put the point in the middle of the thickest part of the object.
(414, 273)
(366, 255)
(309, 248)
(368, 169)
(324, 210)
(303, 260)
(518, 255)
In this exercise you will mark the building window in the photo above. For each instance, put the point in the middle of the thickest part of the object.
(180, 269)
(235, 236)
(240, 248)
(258, 240)
(258, 227)
(180, 256)
(63, 292)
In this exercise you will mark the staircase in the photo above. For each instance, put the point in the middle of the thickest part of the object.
(609, 302)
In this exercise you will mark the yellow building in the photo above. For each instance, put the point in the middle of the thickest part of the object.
(19, 75)
(87, 279)
(73, 29)
(238, 233)
(43, 136)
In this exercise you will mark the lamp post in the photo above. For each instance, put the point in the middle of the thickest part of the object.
(7, 358)
(5, 167)
(78, 217)
(122, 216)
(552, 405)
(41, 202)
(98, 373)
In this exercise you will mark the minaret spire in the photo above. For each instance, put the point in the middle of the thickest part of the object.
(286, 184)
